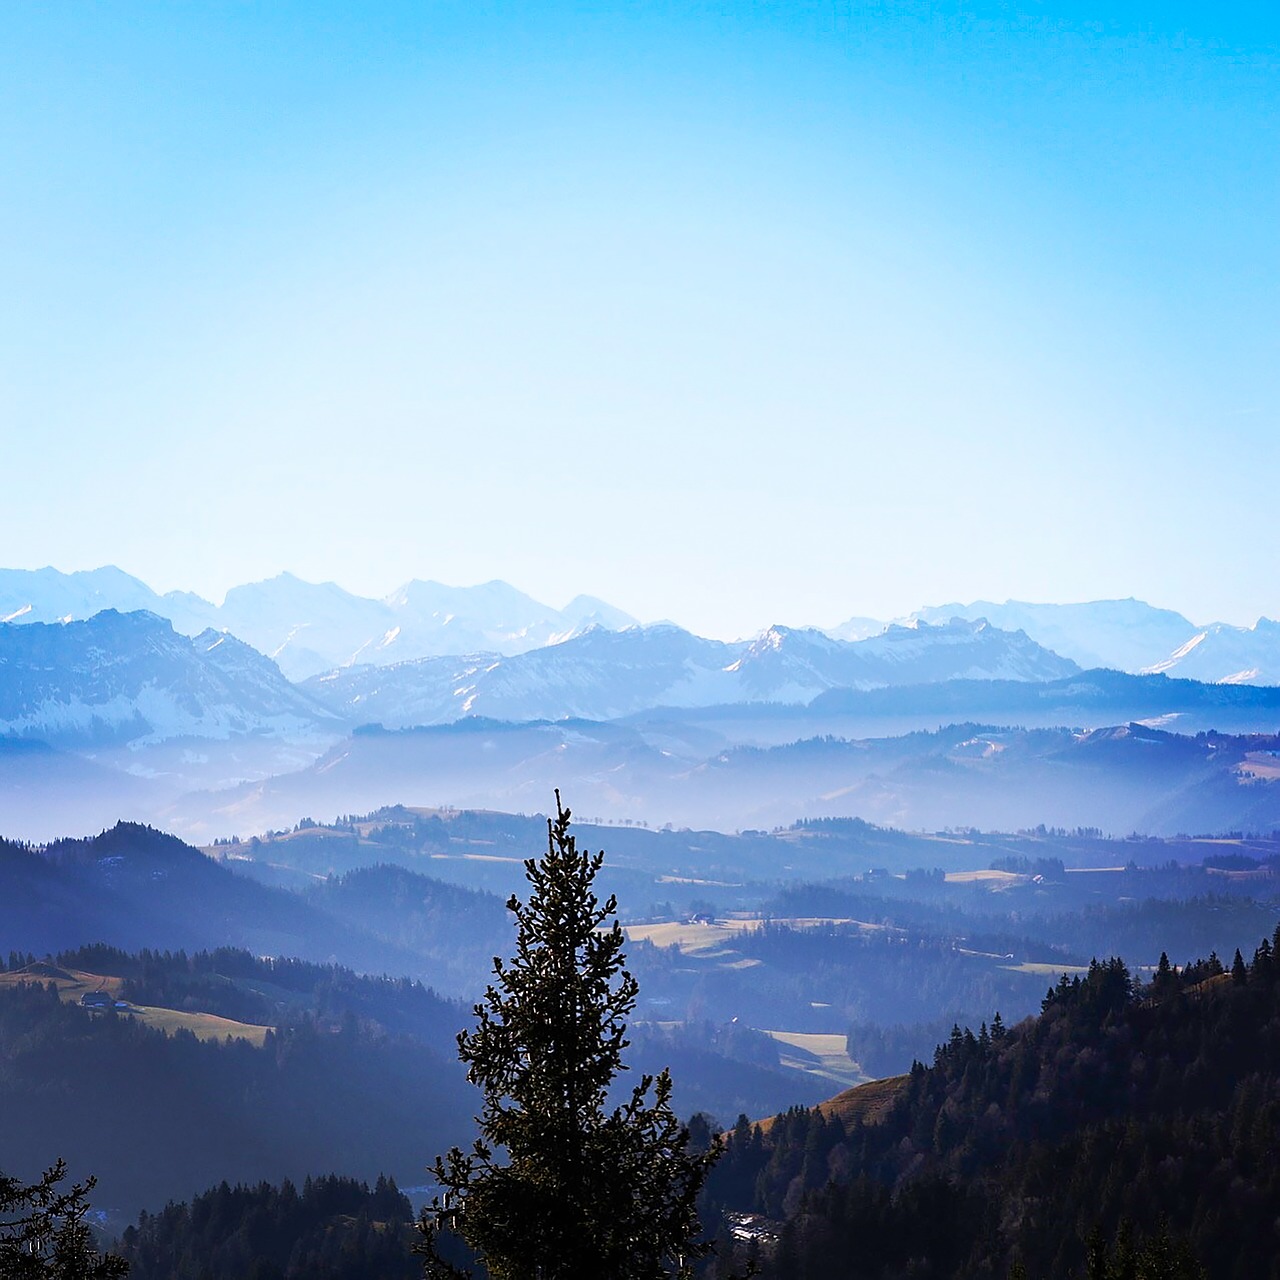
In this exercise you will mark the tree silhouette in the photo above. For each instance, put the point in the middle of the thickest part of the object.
(43, 1233)
(582, 1190)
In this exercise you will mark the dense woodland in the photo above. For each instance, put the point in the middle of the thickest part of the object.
(1124, 1115)
(332, 1228)
(152, 1114)
(1127, 1132)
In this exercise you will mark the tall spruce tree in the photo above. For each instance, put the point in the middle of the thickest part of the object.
(557, 1186)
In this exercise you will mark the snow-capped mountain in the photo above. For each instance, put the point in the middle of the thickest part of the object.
(432, 619)
(1223, 654)
(783, 665)
(129, 677)
(601, 674)
(46, 595)
(857, 629)
(1125, 635)
(307, 627)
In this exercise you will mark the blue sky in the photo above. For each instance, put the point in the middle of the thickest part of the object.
(729, 313)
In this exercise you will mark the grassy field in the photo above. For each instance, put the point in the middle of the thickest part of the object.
(1046, 970)
(71, 983)
(974, 877)
(703, 938)
(818, 1054)
(74, 983)
(692, 939)
(204, 1026)
(869, 1102)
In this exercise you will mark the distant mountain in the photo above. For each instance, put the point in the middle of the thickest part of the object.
(601, 675)
(597, 675)
(1223, 654)
(307, 627)
(46, 595)
(1119, 779)
(1089, 700)
(433, 619)
(123, 677)
(857, 629)
(1126, 635)
(784, 665)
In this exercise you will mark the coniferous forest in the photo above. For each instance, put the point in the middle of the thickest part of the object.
(1127, 1132)
(1129, 1125)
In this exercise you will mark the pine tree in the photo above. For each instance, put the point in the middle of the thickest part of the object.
(582, 1191)
(43, 1233)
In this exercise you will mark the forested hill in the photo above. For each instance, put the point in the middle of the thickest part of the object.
(1126, 1121)
(331, 1227)
(219, 1066)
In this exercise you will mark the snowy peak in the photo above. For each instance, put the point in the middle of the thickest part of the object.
(45, 595)
(129, 677)
(1124, 635)
(856, 629)
(585, 611)
(435, 619)
(603, 674)
(787, 664)
(304, 626)
(309, 627)
(1223, 654)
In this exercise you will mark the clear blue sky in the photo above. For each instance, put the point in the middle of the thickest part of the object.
(730, 313)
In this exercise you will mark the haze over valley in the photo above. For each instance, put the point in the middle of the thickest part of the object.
(207, 736)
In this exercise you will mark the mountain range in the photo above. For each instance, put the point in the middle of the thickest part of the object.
(601, 675)
(310, 627)
(1121, 779)
(1123, 635)
(122, 712)
(132, 678)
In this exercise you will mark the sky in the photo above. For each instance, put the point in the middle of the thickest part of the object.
(731, 313)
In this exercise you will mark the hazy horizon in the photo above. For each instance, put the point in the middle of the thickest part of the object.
(560, 602)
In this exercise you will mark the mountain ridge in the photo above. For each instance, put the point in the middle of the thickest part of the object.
(132, 677)
(307, 627)
(601, 675)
